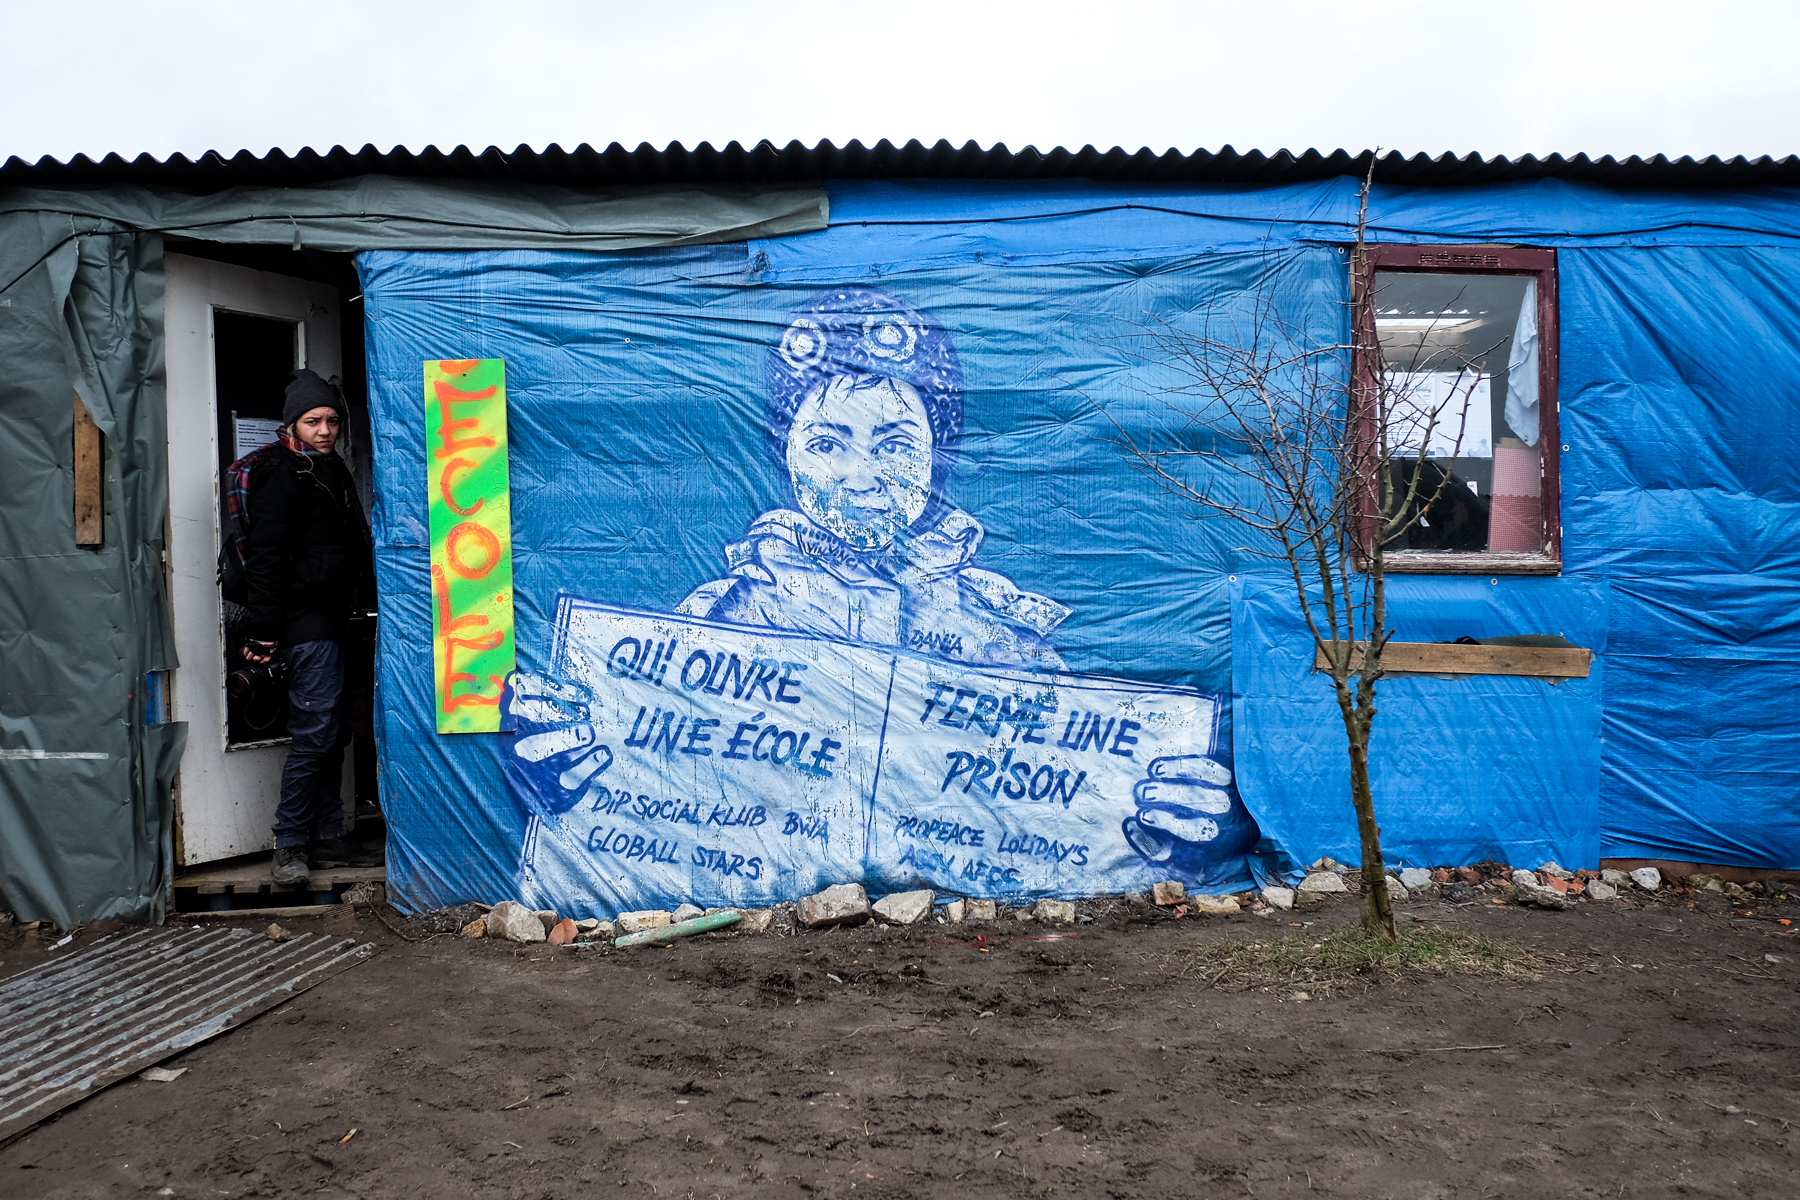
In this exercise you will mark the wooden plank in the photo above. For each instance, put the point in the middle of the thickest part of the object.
(257, 874)
(211, 888)
(325, 878)
(292, 910)
(225, 874)
(90, 524)
(1448, 562)
(1449, 658)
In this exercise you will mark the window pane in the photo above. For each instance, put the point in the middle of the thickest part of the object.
(1460, 360)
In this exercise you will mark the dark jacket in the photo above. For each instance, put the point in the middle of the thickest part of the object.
(308, 561)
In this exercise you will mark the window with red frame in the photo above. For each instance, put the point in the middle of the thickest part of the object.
(1467, 350)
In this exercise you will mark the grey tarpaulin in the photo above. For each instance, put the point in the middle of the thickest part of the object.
(374, 212)
(83, 781)
(85, 808)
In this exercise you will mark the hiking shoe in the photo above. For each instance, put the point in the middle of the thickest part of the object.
(341, 852)
(291, 865)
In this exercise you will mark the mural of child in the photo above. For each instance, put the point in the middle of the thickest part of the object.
(865, 411)
(864, 416)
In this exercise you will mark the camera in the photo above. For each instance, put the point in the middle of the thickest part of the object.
(254, 679)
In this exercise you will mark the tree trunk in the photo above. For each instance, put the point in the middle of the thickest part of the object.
(1377, 908)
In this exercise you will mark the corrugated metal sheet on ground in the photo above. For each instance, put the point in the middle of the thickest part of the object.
(73, 1026)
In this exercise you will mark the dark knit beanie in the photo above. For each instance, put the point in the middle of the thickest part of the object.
(305, 392)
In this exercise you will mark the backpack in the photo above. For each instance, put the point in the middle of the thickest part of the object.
(234, 526)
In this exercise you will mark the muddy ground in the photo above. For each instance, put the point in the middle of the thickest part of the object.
(1659, 1059)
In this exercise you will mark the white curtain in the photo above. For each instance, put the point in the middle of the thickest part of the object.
(1522, 370)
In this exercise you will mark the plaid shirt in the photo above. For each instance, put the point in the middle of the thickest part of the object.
(237, 493)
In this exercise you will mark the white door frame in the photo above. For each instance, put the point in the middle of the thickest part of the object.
(225, 798)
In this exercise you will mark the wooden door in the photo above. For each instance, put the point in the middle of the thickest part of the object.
(233, 334)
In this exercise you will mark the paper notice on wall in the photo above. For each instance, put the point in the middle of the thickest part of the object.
(672, 758)
(1450, 412)
(250, 434)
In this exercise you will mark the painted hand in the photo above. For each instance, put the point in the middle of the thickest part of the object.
(1183, 801)
(555, 751)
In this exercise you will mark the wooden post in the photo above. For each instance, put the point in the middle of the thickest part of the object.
(89, 463)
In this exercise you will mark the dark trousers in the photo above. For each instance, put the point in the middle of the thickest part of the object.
(311, 782)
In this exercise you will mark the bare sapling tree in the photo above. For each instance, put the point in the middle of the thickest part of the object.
(1324, 452)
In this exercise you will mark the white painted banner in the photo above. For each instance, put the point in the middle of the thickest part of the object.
(671, 759)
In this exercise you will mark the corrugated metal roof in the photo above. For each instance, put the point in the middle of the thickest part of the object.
(766, 162)
(77, 1024)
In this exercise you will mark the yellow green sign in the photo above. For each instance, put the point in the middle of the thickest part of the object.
(471, 540)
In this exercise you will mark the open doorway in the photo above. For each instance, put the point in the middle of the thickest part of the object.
(239, 320)
(252, 357)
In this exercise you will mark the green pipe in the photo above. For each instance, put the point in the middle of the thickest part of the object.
(680, 929)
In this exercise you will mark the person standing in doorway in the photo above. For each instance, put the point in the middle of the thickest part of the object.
(309, 567)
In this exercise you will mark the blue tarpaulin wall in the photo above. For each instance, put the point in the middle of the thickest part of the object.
(637, 423)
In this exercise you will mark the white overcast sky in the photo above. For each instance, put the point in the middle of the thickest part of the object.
(1497, 77)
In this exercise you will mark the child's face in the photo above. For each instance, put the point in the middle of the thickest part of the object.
(318, 428)
(859, 453)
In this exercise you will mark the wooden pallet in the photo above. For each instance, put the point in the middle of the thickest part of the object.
(248, 882)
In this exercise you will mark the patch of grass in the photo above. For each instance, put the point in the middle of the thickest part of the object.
(1345, 956)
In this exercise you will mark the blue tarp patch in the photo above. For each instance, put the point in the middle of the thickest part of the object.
(669, 478)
